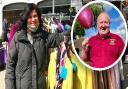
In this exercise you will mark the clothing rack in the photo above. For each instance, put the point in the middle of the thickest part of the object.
(57, 16)
(85, 78)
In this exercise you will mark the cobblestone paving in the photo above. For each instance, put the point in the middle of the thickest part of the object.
(2, 79)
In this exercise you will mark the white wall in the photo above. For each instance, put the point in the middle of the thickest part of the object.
(6, 2)
(0, 18)
(77, 4)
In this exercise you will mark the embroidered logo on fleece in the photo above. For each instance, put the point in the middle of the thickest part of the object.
(112, 41)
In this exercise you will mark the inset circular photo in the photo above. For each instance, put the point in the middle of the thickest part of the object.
(100, 33)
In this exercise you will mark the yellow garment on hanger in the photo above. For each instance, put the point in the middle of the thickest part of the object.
(89, 79)
(52, 70)
(82, 79)
(68, 83)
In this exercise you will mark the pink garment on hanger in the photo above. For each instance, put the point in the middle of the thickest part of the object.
(14, 28)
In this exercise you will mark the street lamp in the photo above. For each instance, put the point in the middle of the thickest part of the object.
(70, 10)
(53, 6)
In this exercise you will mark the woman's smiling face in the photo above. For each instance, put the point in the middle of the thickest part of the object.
(33, 20)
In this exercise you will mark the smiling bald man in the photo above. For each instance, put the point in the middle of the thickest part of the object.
(103, 49)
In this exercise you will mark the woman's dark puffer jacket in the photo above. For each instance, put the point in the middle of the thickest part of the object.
(26, 61)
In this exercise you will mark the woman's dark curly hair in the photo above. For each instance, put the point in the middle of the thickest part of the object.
(25, 14)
